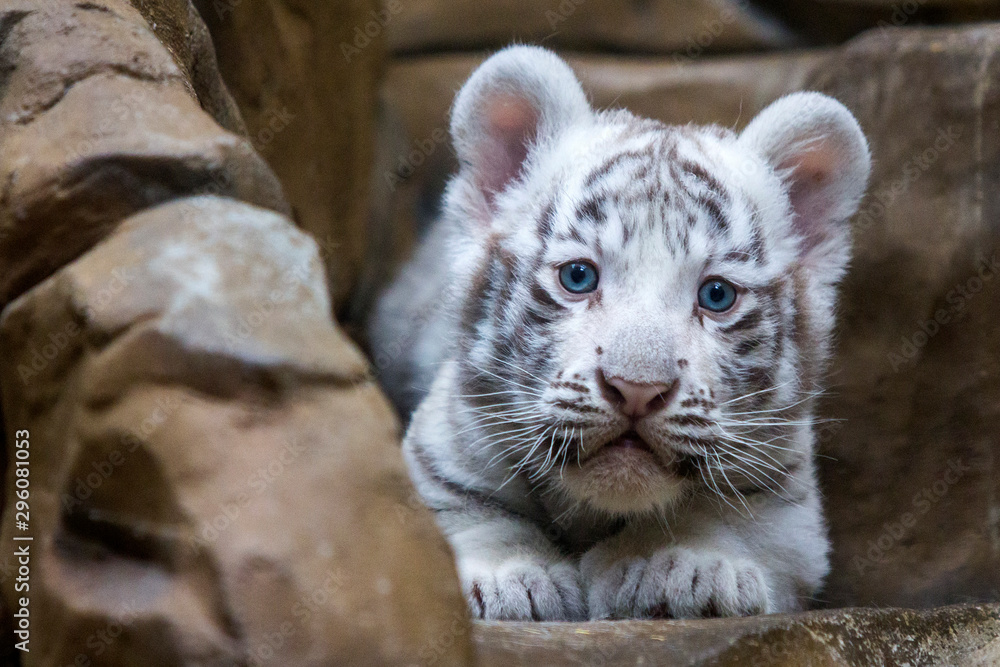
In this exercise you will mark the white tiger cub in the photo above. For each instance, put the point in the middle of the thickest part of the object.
(626, 324)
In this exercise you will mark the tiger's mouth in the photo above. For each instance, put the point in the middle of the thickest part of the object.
(628, 474)
(632, 449)
(630, 440)
(628, 449)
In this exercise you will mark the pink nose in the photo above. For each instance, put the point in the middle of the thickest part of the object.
(633, 399)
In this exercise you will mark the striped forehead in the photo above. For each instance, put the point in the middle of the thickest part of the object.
(653, 187)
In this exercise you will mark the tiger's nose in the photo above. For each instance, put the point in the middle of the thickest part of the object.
(634, 399)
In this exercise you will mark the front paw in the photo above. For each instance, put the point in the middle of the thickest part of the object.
(679, 583)
(523, 589)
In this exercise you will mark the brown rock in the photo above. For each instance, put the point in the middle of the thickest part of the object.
(68, 174)
(308, 97)
(180, 28)
(213, 476)
(960, 635)
(833, 21)
(692, 27)
(913, 485)
(900, 4)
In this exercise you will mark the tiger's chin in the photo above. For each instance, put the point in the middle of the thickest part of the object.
(625, 476)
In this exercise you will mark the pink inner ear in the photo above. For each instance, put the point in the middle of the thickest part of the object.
(810, 194)
(510, 124)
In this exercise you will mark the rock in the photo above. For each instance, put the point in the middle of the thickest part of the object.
(180, 28)
(306, 85)
(959, 635)
(909, 467)
(904, 6)
(912, 483)
(213, 474)
(214, 477)
(70, 175)
(657, 26)
(834, 21)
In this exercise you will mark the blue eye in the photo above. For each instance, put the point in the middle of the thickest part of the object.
(578, 277)
(716, 295)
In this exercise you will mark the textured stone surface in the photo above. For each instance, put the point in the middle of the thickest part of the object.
(909, 470)
(961, 635)
(214, 477)
(69, 174)
(660, 26)
(716, 91)
(211, 468)
(182, 31)
(309, 109)
(913, 488)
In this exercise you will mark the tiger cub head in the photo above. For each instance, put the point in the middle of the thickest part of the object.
(648, 307)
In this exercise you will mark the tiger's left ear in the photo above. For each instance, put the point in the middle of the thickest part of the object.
(818, 150)
(516, 100)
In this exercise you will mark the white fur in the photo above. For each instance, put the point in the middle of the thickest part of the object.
(510, 445)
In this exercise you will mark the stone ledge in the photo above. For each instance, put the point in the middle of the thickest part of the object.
(955, 635)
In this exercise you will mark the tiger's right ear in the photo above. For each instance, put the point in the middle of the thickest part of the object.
(518, 98)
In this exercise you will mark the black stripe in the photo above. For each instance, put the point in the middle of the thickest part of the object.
(592, 209)
(714, 209)
(609, 164)
(759, 377)
(749, 345)
(573, 407)
(542, 296)
(690, 420)
(547, 220)
(756, 242)
(468, 493)
(750, 319)
(703, 175)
